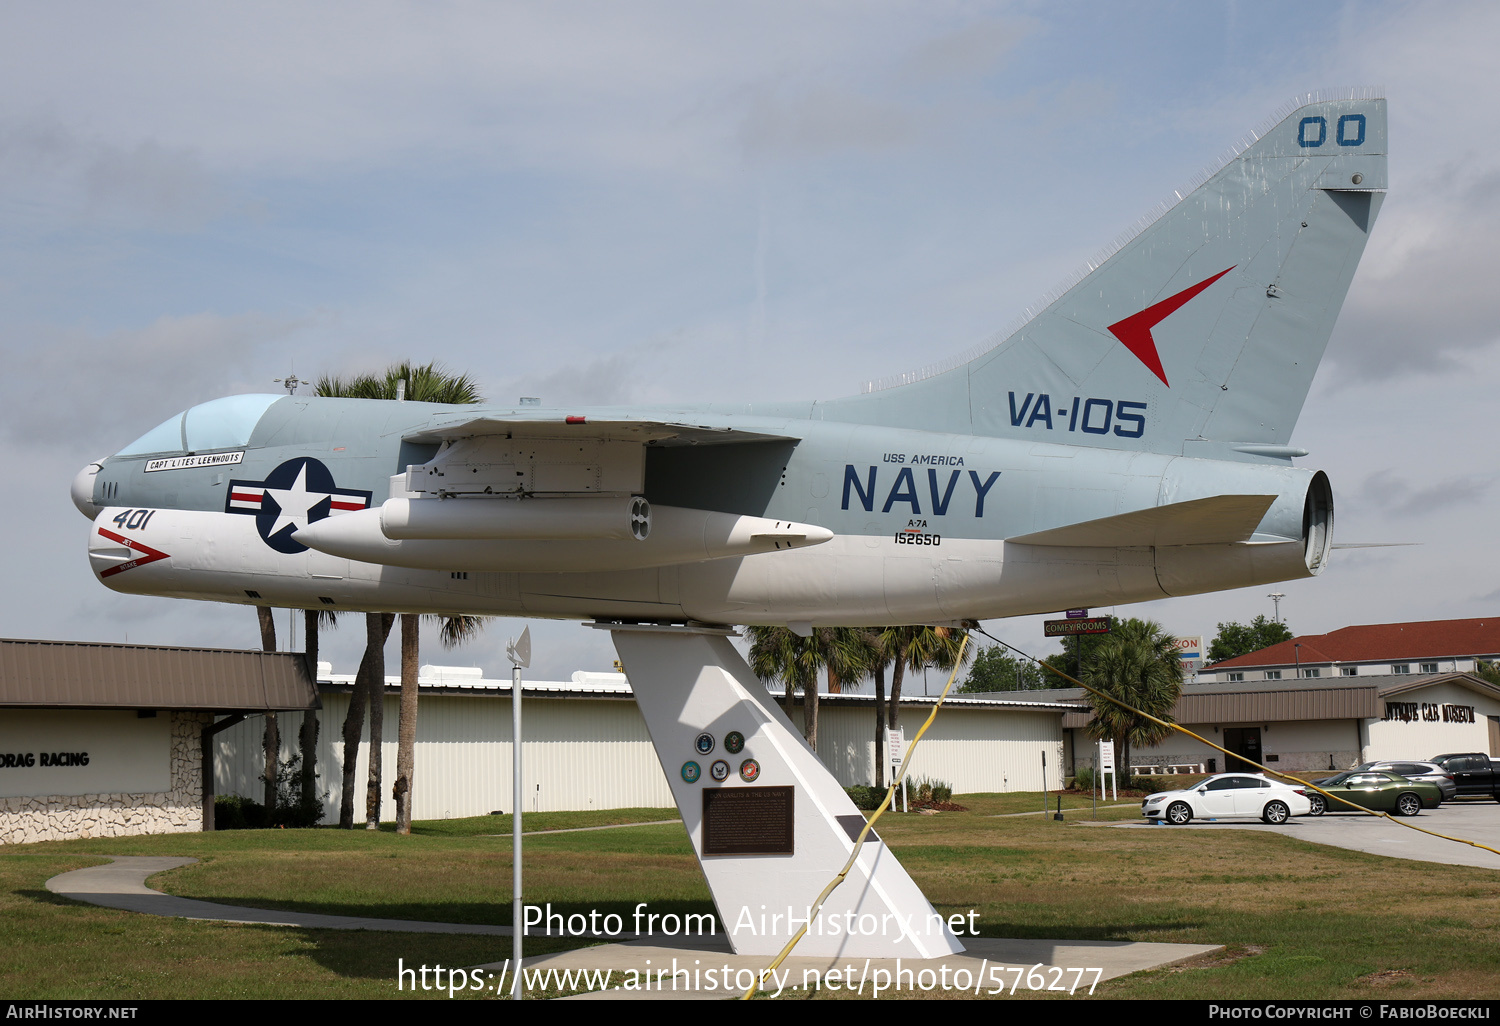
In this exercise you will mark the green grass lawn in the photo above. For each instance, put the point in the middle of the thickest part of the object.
(1299, 920)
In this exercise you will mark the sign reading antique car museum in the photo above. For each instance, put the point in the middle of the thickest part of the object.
(1410, 712)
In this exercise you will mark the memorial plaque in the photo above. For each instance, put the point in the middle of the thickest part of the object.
(748, 820)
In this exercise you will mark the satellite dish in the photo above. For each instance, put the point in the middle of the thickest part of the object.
(519, 649)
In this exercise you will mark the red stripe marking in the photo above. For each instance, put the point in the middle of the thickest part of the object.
(576, 420)
(346, 505)
(1135, 330)
(151, 555)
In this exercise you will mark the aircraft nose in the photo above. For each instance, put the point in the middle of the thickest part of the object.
(82, 490)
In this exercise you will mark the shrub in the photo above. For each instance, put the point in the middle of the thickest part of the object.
(233, 812)
(291, 810)
(930, 790)
(1084, 779)
(865, 797)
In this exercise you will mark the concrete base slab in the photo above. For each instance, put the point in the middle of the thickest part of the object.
(989, 962)
(697, 971)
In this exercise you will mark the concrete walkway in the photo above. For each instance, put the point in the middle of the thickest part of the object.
(1466, 818)
(989, 962)
(122, 884)
(584, 830)
(1068, 814)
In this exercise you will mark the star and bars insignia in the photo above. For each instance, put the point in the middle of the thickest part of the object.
(295, 494)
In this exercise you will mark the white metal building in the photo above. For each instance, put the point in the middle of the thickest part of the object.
(586, 745)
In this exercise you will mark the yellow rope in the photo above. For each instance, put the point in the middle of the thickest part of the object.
(860, 841)
(1264, 769)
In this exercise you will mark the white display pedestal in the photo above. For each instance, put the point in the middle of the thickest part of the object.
(690, 681)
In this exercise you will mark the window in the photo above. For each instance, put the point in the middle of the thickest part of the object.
(1401, 667)
(1234, 677)
(1348, 671)
(165, 437)
(1312, 673)
(1273, 675)
(1429, 668)
(219, 424)
(225, 423)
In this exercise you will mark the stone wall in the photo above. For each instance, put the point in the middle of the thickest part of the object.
(66, 817)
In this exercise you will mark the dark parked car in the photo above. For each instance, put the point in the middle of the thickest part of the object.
(1382, 792)
(1411, 770)
(1474, 773)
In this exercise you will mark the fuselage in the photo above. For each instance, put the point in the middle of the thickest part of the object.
(919, 522)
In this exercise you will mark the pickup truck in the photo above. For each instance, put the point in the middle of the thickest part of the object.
(1473, 772)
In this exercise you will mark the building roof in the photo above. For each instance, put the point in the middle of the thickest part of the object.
(457, 680)
(99, 675)
(1269, 701)
(1380, 642)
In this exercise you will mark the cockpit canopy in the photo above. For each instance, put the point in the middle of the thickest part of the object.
(220, 424)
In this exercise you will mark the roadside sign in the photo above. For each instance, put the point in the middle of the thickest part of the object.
(895, 747)
(1190, 651)
(1076, 614)
(1064, 628)
(1106, 764)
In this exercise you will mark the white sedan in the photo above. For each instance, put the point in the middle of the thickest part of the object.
(1229, 795)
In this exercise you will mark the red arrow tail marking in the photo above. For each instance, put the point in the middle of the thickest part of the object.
(150, 555)
(1135, 330)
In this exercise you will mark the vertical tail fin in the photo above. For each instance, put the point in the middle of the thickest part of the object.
(1203, 331)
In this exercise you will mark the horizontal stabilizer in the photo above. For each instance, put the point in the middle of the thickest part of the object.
(1221, 519)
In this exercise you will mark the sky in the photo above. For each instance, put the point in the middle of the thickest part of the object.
(601, 203)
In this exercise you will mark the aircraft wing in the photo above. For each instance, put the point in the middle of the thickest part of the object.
(550, 493)
(615, 428)
(1220, 519)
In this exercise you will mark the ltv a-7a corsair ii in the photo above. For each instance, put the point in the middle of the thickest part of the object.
(1129, 442)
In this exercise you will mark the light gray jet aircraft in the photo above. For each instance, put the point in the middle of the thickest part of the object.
(1128, 442)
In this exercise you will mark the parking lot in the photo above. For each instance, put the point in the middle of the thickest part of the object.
(1471, 819)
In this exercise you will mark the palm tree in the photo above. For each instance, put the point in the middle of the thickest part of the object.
(271, 741)
(916, 648)
(313, 621)
(880, 658)
(1136, 663)
(776, 653)
(424, 383)
(427, 383)
(903, 648)
(456, 630)
(369, 685)
(848, 654)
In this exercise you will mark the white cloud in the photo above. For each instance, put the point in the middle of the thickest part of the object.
(104, 389)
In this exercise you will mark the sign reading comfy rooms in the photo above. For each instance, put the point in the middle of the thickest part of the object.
(65, 752)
